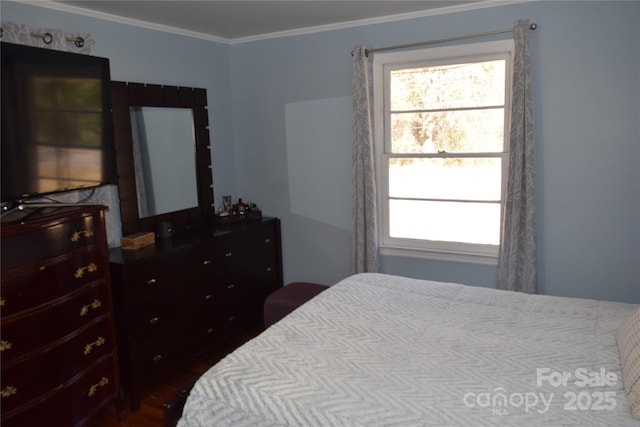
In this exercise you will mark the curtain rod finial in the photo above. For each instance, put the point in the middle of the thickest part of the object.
(533, 26)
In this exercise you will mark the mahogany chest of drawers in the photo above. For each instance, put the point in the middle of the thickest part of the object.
(190, 295)
(58, 348)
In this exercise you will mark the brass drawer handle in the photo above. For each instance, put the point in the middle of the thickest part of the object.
(91, 268)
(154, 320)
(152, 282)
(157, 358)
(75, 237)
(2, 302)
(5, 345)
(97, 343)
(85, 308)
(8, 391)
(94, 388)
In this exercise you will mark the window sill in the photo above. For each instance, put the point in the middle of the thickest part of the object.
(481, 257)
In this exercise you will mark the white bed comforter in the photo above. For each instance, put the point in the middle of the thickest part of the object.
(380, 350)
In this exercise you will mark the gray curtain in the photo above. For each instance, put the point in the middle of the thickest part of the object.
(364, 234)
(517, 257)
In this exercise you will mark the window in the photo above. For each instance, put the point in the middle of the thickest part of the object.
(67, 130)
(442, 124)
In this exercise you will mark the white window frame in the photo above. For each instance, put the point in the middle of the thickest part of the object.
(416, 248)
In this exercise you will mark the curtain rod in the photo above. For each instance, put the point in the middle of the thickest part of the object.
(47, 38)
(451, 39)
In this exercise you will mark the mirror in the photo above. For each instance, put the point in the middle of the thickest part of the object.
(164, 146)
(163, 157)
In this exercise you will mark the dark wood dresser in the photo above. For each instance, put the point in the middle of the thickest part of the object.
(59, 362)
(186, 296)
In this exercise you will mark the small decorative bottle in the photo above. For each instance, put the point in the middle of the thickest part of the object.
(240, 206)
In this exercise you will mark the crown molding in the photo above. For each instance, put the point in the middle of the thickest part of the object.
(122, 20)
(288, 33)
(379, 20)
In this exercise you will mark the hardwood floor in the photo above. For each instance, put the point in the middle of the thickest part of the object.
(151, 413)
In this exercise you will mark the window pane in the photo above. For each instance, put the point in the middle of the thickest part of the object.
(79, 94)
(471, 131)
(477, 223)
(451, 178)
(64, 128)
(67, 167)
(448, 86)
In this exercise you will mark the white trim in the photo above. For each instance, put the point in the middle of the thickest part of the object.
(288, 33)
(378, 20)
(467, 257)
(121, 20)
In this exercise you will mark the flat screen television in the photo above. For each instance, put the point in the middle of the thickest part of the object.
(56, 122)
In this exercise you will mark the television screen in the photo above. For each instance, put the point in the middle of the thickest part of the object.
(56, 122)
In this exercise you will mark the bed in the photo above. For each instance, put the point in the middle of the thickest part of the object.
(381, 350)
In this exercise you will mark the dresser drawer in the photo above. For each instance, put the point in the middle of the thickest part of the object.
(236, 318)
(253, 255)
(49, 369)
(246, 247)
(161, 355)
(57, 238)
(152, 320)
(155, 280)
(70, 403)
(210, 333)
(23, 333)
(36, 284)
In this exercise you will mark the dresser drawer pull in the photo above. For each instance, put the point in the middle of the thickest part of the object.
(152, 282)
(5, 345)
(231, 318)
(154, 320)
(157, 358)
(91, 268)
(94, 388)
(267, 240)
(206, 262)
(230, 286)
(210, 331)
(8, 391)
(209, 297)
(75, 237)
(268, 269)
(89, 347)
(228, 254)
(85, 308)
(2, 302)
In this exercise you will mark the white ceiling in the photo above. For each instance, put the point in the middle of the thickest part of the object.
(240, 20)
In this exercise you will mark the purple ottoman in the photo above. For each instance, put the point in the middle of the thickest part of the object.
(288, 298)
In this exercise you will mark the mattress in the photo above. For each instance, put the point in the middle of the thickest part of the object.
(381, 350)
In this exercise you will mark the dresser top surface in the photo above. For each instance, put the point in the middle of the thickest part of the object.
(125, 256)
(37, 214)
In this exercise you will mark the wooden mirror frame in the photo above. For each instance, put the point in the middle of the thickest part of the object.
(125, 95)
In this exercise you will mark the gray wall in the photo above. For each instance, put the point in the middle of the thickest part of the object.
(280, 113)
